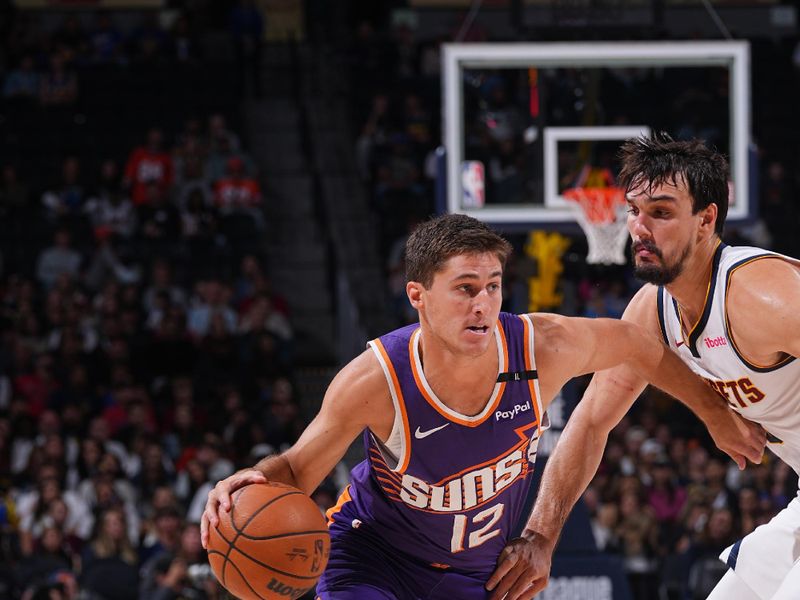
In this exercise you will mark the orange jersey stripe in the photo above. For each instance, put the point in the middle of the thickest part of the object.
(526, 326)
(435, 405)
(344, 497)
(404, 460)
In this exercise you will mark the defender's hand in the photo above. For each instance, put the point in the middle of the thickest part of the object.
(523, 568)
(219, 498)
(737, 437)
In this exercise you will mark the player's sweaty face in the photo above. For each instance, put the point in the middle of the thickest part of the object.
(463, 301)
(662, 229)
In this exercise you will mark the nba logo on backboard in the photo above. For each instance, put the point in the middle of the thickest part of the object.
(472, 182)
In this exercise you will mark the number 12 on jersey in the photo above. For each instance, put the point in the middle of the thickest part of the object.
(479, 536)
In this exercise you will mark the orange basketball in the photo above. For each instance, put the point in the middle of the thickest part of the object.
(272, 544)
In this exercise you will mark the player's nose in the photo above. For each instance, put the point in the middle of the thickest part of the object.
(637, 225)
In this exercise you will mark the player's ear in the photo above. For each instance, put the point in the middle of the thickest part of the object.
(414, 291)
(708, 217)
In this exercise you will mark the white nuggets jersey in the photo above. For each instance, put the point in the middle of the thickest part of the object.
(765, 394)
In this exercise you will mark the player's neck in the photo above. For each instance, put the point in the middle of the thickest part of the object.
(464, 383)
(691, 287)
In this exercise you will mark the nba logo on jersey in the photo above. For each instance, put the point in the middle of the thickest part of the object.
(472, 182)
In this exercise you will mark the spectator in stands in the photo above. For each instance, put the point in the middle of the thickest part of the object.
(161, 282)
(109, 207)
(51, 554)
(283, 421)
(183, 44)
(105, 41)
(67, 199)
(261, 316)
(22, 82)
(238, 194)
(149, 164)
(166, 533)
(665, 496)
(149, 41)
(192, 486)
(638, 537)
(212, 297)
(33, 509)
(223, 150)
(14, 195)
(59, 85)
(221, 138)
(109, 561)
(71, 40)
(181, 574)
(159, 222)
(199, 226)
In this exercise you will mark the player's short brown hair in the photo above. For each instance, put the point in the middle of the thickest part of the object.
(659, 159)
(433, 242)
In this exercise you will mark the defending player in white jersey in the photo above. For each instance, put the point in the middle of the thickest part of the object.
(732, 315)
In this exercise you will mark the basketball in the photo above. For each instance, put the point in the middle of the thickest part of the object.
(273, 543)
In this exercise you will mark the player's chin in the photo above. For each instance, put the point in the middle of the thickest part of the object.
(475, 344)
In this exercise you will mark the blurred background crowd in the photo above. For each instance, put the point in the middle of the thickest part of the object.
(165, 318)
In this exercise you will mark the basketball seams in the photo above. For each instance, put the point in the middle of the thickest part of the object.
(279, 535)
(247, 583)
(271, 568)
(256, 513)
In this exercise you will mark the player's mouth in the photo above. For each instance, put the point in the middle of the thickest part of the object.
(479, 329)
(646, 250)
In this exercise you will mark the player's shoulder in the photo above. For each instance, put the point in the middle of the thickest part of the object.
(763, 284)
(767, 271)
(363, 374)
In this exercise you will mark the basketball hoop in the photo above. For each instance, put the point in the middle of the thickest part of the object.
(601, 214)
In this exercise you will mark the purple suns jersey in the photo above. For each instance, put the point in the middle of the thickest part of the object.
(448, 488)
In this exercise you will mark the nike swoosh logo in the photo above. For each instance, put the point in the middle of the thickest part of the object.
(678, 344)
(419, 434)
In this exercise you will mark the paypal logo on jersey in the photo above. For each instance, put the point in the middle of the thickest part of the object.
(502, 415)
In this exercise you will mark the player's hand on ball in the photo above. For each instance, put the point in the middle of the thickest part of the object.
(219, 498)
(523, 568)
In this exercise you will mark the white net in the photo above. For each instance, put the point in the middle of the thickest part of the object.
(602, 214)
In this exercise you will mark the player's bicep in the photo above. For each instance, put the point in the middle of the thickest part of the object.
(356, 398)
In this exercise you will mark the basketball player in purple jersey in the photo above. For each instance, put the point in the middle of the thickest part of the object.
(731, 313)
(451, 411)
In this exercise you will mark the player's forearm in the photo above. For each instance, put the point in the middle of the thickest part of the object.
(277, 468)
(665, 370)
(568, 472)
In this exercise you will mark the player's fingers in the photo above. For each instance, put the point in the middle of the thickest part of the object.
(740, 460)
(505, 563)
(204, 530)
(528, 594)
(509, 582)
(539, 584)
(519, 591)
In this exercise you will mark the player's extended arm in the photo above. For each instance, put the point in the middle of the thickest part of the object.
(575, 346)
(356, 398)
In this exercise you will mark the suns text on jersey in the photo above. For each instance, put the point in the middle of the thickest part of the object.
(468, 490)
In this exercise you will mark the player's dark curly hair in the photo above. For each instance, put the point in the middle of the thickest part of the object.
(433, 242)
(659, 159)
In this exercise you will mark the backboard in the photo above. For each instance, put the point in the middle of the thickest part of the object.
(523, 122)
